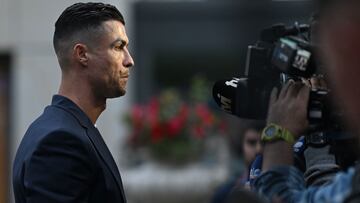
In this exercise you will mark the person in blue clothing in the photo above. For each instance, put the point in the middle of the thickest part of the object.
(338, 33)
(62, 157)
(251, 146)
(244, 144)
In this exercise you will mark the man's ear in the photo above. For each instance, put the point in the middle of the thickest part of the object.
(80, 53)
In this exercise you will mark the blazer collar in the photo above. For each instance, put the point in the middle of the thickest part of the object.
(71, 107)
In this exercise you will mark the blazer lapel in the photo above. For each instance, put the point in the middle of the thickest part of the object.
(105, 154)
(94, 135)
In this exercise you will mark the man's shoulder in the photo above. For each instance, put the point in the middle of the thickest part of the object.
(55, 119)
(54, 128)
(53, 123)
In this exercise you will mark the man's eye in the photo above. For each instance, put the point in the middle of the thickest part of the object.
(119, 47)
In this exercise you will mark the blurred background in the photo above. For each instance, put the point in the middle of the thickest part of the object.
(170, 141)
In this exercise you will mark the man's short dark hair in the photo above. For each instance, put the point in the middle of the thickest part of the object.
(82, 18)
(238, 131)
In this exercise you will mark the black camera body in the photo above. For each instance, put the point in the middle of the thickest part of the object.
(282, 54)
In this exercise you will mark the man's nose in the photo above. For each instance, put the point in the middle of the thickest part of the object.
(128, 61)
(258, 148)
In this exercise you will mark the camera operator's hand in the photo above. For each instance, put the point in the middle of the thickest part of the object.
(289, 108)
(318, 82)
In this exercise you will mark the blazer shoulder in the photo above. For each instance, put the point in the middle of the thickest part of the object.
(53, 126)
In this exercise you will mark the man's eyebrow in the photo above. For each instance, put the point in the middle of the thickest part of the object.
(123, 42)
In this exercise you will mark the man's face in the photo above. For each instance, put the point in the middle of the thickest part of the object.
(251, 145)
(109, 61)
(340, 42)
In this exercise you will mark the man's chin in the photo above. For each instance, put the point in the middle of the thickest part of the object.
(122, 93)
(116, 94)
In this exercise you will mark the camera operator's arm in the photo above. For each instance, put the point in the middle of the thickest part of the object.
(288, 116)
(281, 180)
(288, 110)
(321, 165)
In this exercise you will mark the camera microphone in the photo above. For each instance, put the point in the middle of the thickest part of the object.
(224, 93)
(240, 97)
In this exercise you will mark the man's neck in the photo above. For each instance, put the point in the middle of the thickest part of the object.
(86, 101)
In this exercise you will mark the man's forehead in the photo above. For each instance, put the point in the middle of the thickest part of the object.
(115, 27)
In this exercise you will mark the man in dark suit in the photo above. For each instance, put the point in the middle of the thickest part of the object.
(63, 157)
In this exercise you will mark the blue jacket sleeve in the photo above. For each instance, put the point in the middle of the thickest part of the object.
(59, 170)
(287, 183)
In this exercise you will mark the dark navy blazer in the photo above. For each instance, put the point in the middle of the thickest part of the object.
(63, 158)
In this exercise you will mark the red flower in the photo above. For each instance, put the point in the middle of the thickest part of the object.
(184, 111)
(137, 116)
(199, 132)
(153, 112)
(168, 118)
(175, 126)
(157, 133)
(204, 113)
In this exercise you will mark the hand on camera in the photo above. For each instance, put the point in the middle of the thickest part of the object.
(288, 109)
(318, 83)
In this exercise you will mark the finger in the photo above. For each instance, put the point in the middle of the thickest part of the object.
(306, 82)
(304, 94)
(285, 88)
(315, 83)
(273, 96)
(323, 84)
(318, 82)
(294, 90)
